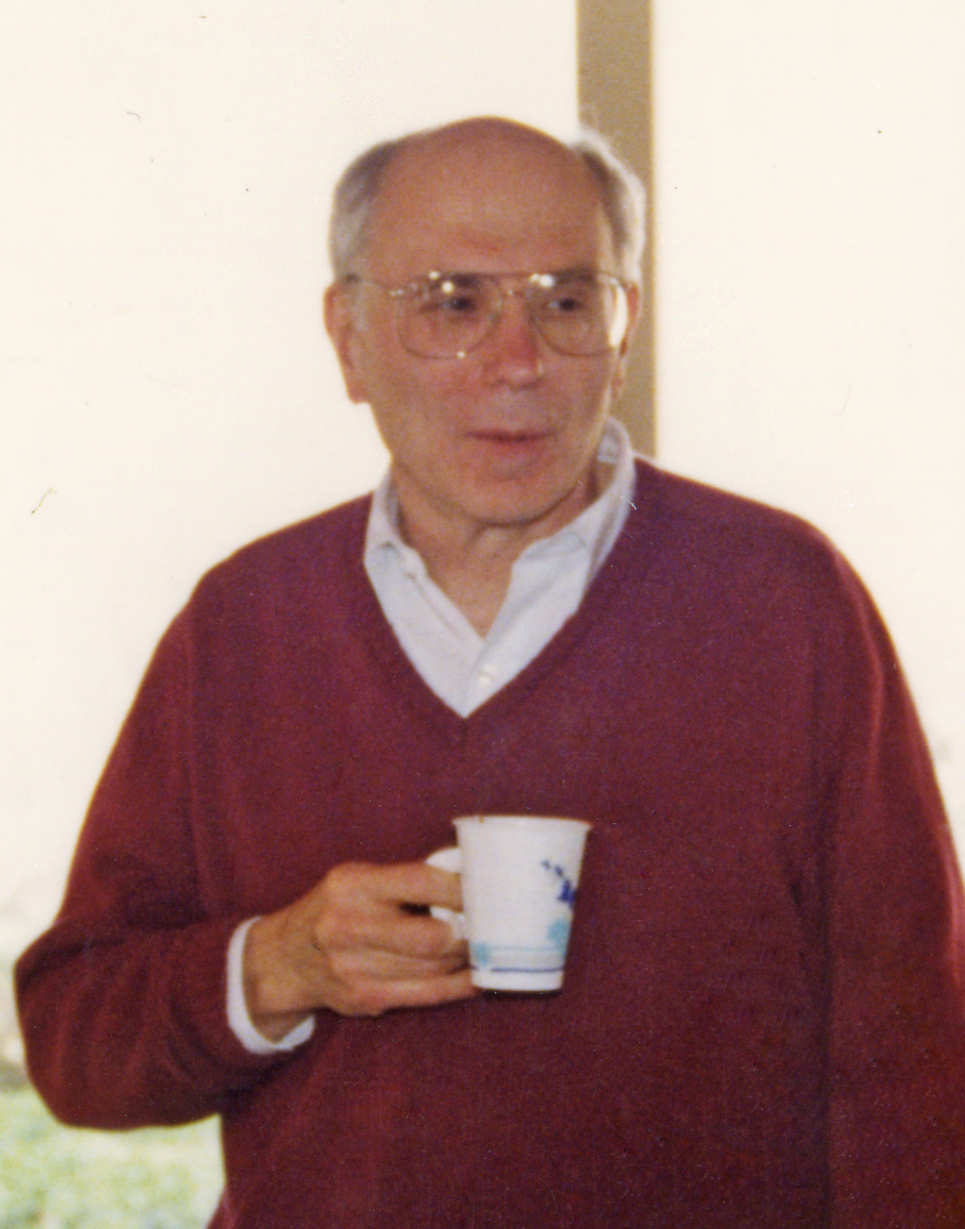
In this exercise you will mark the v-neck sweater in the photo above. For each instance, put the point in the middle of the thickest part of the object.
(762, 1018)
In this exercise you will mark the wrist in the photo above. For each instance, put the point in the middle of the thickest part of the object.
(268, 994)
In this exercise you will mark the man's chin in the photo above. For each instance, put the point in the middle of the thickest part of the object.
(525, 506)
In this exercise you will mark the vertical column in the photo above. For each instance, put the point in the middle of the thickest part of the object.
(614, 90)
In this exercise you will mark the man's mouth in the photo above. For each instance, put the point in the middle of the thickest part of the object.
(495, 435)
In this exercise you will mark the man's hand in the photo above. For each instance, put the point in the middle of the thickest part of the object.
(355, 945)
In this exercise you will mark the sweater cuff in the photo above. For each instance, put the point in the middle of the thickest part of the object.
(239, 1019)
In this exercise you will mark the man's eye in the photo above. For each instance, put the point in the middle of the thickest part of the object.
(570, 298)
(566, 304)
(462, 304)
(569, 303)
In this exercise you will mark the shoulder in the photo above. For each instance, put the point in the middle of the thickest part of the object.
(701, 522)
(302, 567)
(709, 512)
(749, 559)
(328, 534)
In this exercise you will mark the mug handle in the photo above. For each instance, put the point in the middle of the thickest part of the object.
(448, 859)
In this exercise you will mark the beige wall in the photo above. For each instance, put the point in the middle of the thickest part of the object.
(166, 388)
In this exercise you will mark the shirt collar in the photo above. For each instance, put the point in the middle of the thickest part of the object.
(592, 529)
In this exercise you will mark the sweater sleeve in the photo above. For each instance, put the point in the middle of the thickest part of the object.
(123, 1000)
(896, 1036)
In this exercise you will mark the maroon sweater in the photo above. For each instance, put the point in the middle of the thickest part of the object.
(762, 1022)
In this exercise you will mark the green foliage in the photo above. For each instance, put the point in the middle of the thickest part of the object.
(54, 1177)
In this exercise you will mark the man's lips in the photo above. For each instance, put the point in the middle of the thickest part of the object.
(509, 452)
(498, 435)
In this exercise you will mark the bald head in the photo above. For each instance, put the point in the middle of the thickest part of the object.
(442, 153)
(484, 156)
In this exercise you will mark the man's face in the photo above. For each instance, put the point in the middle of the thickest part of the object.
(507, 435)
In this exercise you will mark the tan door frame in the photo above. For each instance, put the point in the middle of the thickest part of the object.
(614, 92)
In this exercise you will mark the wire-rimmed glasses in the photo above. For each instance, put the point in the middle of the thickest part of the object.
(579, 312)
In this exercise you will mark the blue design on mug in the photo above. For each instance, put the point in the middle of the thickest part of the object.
(558, 934)
(567, 888)
(480, 955)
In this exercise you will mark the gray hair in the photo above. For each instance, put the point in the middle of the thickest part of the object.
(621, 190)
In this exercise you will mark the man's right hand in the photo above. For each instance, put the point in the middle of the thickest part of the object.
(354, 944)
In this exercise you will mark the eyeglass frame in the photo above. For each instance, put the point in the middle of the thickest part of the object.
(398, 293)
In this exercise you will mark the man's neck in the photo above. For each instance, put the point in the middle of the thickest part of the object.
(472, 562)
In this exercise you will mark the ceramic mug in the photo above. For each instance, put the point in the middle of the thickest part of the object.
(519, 880)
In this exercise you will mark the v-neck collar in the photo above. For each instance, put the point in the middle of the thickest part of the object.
(632, 546)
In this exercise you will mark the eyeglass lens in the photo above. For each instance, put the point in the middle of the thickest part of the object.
(577, 314)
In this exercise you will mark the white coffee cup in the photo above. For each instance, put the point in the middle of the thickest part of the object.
(519, 878)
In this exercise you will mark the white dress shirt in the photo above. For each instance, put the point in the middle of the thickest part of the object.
(548, 582)
(464, 669)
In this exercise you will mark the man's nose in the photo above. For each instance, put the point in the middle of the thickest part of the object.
(513, 348)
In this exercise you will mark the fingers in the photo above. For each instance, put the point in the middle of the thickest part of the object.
(363, 960)
(375, 998)
(367, 907)
(404, 883)
(352, 944)
(377, 955)
(388, 929)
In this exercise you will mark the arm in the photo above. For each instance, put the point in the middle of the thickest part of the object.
(123, 1001)
(896, 939)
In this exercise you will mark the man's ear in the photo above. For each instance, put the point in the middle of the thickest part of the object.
(634, 300)
(342, 327)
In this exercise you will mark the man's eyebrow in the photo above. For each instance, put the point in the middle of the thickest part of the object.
(439, 275)
(571, 273)
(448, 275)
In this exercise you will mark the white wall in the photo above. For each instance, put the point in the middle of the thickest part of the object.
(810, 197)
(166, 389)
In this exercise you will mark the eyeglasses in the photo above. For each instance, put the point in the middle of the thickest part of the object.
(448, 315)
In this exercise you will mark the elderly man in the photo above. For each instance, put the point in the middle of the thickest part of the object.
(763, 1021)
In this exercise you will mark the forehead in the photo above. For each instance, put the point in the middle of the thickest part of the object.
(487, 197)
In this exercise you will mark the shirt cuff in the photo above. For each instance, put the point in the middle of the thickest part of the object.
(238, 1017)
